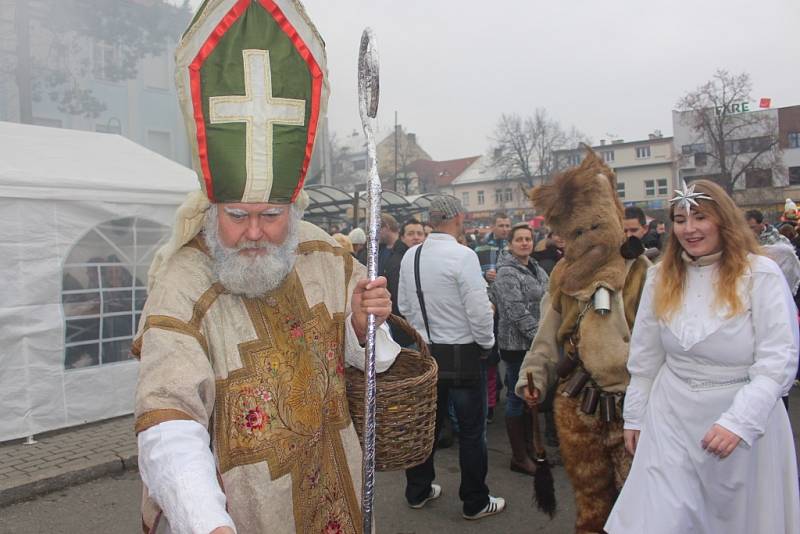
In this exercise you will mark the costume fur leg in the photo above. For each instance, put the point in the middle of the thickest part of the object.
(595, 460)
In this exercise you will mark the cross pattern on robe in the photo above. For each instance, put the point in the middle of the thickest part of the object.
(310, 408)
(260, 111)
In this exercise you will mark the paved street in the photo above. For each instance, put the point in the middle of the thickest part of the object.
(110, 504)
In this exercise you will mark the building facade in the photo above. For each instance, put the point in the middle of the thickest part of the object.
(143, 109)
(484, 191)
(645, 168)
(395, 153)
(761, 150)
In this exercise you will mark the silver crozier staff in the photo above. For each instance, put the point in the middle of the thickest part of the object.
(368, 90)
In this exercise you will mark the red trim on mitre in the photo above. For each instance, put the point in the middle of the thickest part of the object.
(316, 84)
(208, 47)
(194, 77)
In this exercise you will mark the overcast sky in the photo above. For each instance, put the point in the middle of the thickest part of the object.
(450, 68)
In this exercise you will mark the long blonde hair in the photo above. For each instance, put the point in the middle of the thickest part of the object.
(737, 242)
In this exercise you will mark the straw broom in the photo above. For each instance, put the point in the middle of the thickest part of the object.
(544, 493)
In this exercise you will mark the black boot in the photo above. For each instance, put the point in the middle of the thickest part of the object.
(520, 461)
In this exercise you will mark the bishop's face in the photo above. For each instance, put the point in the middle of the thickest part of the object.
(253, 245)
(242, 224)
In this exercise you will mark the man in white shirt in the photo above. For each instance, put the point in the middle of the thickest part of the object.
(459, 332)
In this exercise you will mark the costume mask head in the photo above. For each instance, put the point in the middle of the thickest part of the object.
(582, 207)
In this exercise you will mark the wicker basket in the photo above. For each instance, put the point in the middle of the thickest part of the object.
(405, 411)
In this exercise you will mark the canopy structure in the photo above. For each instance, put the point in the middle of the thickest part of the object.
(328, 203)
(82, 215)
(59, 164)
(332, 205)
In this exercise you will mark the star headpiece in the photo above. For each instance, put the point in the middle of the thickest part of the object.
(685, 198)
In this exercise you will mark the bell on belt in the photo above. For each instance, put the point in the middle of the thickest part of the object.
(608, 408)
(576, 383)
(566, 364)
(589, 402)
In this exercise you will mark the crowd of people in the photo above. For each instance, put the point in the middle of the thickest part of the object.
(509, 275)
(657, 356)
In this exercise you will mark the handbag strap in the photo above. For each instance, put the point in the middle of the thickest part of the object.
(420, 296)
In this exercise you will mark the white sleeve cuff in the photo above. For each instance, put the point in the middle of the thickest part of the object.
(178, 468)
(635, 405)
(748, 415)
(386, 348)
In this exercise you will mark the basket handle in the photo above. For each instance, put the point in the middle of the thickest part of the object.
(403, 325)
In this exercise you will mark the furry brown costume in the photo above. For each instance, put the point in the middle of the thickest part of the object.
(581, 206)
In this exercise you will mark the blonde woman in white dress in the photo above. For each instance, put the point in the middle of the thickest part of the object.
(713, 349)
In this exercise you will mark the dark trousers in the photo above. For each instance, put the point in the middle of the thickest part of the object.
(470, 410)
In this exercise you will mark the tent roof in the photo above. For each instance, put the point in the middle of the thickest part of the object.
(58, 164)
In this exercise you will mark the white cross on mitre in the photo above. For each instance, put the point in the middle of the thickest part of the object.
(259, 110)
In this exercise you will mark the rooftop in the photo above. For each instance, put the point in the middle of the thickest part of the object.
(440, 172)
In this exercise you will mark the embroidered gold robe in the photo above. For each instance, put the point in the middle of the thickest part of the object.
(265, 376)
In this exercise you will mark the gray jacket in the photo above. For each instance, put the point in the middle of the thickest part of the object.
(517, 293)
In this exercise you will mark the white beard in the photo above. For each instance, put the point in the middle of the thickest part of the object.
(252, 276)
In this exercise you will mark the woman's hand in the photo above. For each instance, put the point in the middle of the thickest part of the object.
(720, 441)
(631, 439)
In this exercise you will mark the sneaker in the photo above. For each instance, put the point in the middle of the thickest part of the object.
(490, 415)
(495, 506)
(436, 492)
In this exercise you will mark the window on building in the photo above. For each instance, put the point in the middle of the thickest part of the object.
(113, 126)
(498, 196)
(573, 159)
(621, 189)
(105, 58)
(481, 198)
(649, 188)
(359, 164)
(662, 186)
(642, 152)
(509, 195)
(700, 159)
(758, 178)
(104, 286)
(156, 72)
(794, 175)
(465, 198)
(692, 149)
(50, 123)
(749, 145)
(160, 142)
(794, 139)
(608, 156)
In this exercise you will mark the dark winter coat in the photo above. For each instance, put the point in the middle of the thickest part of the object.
(392, 273)
(517, 292)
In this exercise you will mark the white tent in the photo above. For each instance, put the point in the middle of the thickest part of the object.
(81, 214)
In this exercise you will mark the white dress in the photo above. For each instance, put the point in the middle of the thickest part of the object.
(703, 368)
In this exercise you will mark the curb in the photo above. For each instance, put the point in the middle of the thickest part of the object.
(55, 481)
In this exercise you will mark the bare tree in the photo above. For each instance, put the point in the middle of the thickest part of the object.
(523, 146)
(60, 46)
(728, 137)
